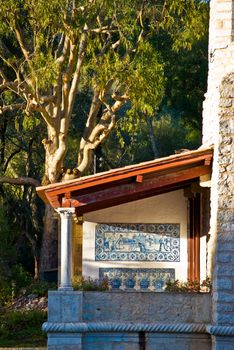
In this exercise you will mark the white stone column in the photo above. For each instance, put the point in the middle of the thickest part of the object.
(66, 215)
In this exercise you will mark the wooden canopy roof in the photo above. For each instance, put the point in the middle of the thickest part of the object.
(129, 183)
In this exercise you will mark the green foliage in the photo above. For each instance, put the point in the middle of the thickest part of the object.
(188, 286)
(40, 288)
(45, 70)
(88, 284)
(192, 24)
(8, 256)
(16, 320)
(12, 283)
(131, 144)
(132, 24)
(20, 277)
(173, 133)
(25, 326)
(142, 51)
(146, 80)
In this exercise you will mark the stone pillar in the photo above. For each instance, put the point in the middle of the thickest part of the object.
(66, 250)
(221, 62)
(64, 312)
(218, 129)
(223, 220)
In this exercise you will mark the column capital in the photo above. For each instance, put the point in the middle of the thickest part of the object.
(67, 212)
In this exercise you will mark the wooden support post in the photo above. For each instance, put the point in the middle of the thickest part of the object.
(194, 238)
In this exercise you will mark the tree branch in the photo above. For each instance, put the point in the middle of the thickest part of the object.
(10, 85)
(20, 38)
(3, 75)
(12, 107)
(67, 77)
(9, 159)
(60, 47)
(9, 64)
(101, 131)
(19, 181)
(80, 58)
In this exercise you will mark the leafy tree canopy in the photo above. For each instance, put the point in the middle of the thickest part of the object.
(73, 71)
(50, 51)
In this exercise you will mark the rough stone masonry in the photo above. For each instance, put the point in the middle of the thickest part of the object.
(218, 129)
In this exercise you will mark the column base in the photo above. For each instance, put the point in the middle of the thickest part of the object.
(222, 343)
(65, 289)
(64, 341)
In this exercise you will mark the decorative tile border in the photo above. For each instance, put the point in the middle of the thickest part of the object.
(137, 242)
(137, 279)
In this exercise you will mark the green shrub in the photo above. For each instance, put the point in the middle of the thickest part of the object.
(24, 326)
(11, 286)
(6, 293)
(40, 288)
(17, 320)
(88, 284)
(20, 277)
(188, 286)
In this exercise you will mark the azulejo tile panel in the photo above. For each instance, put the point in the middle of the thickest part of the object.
(137, 279)
(137, 242)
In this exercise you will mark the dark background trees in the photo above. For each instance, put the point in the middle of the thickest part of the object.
(123, 81)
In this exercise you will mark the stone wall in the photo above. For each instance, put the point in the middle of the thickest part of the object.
(223, 259)
(146, 307)
(128, 321)
(221, 62)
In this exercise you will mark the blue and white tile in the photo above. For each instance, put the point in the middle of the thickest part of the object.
(137, 278)
(137, 242)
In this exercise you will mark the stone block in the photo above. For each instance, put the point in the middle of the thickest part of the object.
(226, 270)
(225, 216)
(219, 24)
(223, 343)
(64, 306)
(225, 319)
(225, 307)
(111, 341)
(64, 341)
(223, 283)
(142, 307)
(223, 6)
(225, 238)
(223, 297)
(227, 125)
(226, 226)
(227, 246)
(224, 257)
(178, 342)
(225, 103)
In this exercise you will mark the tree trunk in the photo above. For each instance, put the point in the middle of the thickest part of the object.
(49, 247)
(55, 150)
(152, 137)
(36, 268)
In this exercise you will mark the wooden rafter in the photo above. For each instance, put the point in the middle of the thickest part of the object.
(130, 183)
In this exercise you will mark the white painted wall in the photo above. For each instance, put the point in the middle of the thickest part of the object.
(166, 208)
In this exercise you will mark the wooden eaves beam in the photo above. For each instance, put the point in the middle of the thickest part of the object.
(124, 193)
(123, 174)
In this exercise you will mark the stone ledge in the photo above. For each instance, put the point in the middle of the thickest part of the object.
(84, 327)
(109, 327)
(226, 331)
